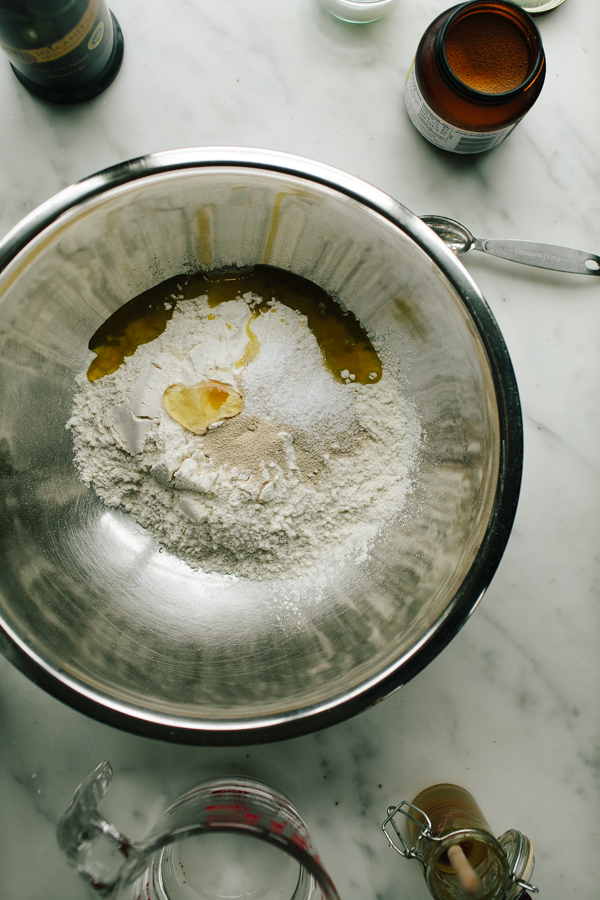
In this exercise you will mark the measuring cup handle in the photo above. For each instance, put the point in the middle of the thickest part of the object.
(91, 844)
(543, 256)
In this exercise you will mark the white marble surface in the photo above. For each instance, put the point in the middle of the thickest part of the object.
(510, 708)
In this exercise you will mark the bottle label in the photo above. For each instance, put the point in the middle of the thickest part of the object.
(440, 132)
(60, 48)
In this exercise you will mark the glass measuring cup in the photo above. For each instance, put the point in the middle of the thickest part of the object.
(225, 839)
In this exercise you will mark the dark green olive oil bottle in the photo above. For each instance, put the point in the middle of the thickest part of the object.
(64, 51)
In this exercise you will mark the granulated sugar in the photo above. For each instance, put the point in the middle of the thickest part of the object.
(309, 470)
(288, 383)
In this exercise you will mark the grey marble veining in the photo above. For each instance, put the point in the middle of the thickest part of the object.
(510, 709)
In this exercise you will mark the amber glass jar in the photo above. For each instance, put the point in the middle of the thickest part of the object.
(478, 69)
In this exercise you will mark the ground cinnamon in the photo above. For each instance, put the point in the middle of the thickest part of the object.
(488, 53)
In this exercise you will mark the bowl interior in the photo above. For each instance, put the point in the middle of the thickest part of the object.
(87, 591)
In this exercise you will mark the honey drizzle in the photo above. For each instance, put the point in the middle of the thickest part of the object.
(343, 341)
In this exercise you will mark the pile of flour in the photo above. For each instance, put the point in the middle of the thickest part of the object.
(310, 469)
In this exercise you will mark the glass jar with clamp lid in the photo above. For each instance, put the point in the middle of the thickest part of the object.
(456, 848)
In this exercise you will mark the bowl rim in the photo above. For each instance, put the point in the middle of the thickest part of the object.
(304, 720)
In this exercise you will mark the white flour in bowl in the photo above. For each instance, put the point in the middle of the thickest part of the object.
(310, 469)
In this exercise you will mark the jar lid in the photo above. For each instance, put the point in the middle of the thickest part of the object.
(537, 6)
(521, 860)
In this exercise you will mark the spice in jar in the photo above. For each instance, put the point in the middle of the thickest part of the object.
(478, 69)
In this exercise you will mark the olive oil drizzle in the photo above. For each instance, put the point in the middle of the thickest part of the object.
(344, 343)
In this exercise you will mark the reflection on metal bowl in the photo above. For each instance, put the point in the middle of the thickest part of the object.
(90, 608)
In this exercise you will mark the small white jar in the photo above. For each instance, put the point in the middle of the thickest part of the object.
(358, 11)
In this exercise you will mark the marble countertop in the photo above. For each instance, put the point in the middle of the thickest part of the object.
(510, 709)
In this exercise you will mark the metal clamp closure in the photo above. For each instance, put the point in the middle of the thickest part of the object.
(396, 840)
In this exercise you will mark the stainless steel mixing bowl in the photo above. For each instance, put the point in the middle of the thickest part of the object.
(90, 607)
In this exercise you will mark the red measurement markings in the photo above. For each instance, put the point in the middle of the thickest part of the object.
(300, 841)
(221, 813)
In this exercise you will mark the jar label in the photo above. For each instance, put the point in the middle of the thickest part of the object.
(60, 48)
(440, 132)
